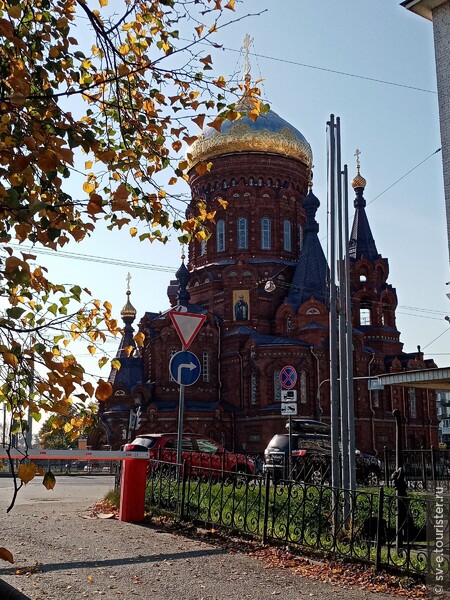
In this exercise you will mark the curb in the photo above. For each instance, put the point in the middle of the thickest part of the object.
(7, 592)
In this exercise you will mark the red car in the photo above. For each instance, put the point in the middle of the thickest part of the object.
(199, 453)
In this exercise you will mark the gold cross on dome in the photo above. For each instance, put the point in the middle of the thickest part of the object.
(357, 154)
(248, 40)
(128, 281)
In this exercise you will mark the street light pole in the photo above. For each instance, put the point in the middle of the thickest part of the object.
(334, 395)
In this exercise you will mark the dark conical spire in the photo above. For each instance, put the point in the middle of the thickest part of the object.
(183, 277)
(361, 241)
(311, 274)
(130, 372)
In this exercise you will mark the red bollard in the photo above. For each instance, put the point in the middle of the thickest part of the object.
(132, 490)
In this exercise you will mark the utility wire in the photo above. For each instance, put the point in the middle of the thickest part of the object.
(405, 175)
(327, 70)
(429, 313)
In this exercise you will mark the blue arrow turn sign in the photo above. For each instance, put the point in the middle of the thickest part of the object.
(185, 367)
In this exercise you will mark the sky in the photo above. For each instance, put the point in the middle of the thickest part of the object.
(371, 63)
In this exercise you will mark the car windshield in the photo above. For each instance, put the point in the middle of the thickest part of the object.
(144, 441)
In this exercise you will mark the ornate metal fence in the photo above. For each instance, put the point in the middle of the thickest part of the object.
(373, 527)
(424, 469)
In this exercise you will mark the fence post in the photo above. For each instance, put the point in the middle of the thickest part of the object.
(183, 491)
(386, 465)
(266, 508)
(380, 529)
(424, 469)
(433, 465)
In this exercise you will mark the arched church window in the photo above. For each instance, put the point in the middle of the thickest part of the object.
(269, 183)
(266, 234)
(242, 233)
(224, 185)
(288, 324)
(203, 248)
(300, 238)
(205, 365)
(303, 390)
(260, 182)
(276, 386)
(220, 233)
(412, 403)
(254, 389)
(385, 316)
(251, 181)
(233, 183)
(365, 317)
(362, 278)
(287, 235)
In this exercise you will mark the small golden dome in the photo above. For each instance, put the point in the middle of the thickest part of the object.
(358, 181)
(128, 310)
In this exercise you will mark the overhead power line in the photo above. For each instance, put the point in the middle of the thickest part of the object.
(91, 258)
(328, 70)
(429, 313)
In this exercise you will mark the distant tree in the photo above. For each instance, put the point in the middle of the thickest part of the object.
(54, 437)
(108, 114)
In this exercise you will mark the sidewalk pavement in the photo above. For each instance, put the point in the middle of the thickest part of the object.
(63, 552)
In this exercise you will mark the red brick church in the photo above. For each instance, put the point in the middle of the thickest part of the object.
(262, 280)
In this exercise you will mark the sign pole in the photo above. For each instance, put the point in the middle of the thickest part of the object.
(290, 447)
(180, 421)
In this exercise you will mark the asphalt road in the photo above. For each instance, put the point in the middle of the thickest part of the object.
(63, 552)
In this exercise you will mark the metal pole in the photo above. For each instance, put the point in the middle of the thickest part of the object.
(342, 323)
(334, 397)
(349, 347)
(180, 420)
(290, 448)
(29, 436)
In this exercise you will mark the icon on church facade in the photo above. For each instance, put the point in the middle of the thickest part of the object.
(241, 305)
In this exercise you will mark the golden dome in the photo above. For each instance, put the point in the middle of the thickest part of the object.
(269, 133)
(128, 310)
(358, 181)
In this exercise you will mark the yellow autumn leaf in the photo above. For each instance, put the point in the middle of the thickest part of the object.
(103, 391)
(103, 2)
(6, 555)
(133, 231)
(26, 472)
(15, 12)
(223, 203)
(88, 187)
(139, 338)
(49, 481)
(128, 350)
(11, 359)
(88, 164)
(230, 5)
(92, 349)
(201, 168)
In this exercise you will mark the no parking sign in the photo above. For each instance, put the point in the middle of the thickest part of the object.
(288, 377)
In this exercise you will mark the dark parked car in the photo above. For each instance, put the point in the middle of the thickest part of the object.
(199, 453)
(311, 456)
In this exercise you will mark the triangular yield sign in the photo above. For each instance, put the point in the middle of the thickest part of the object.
(187, 326)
